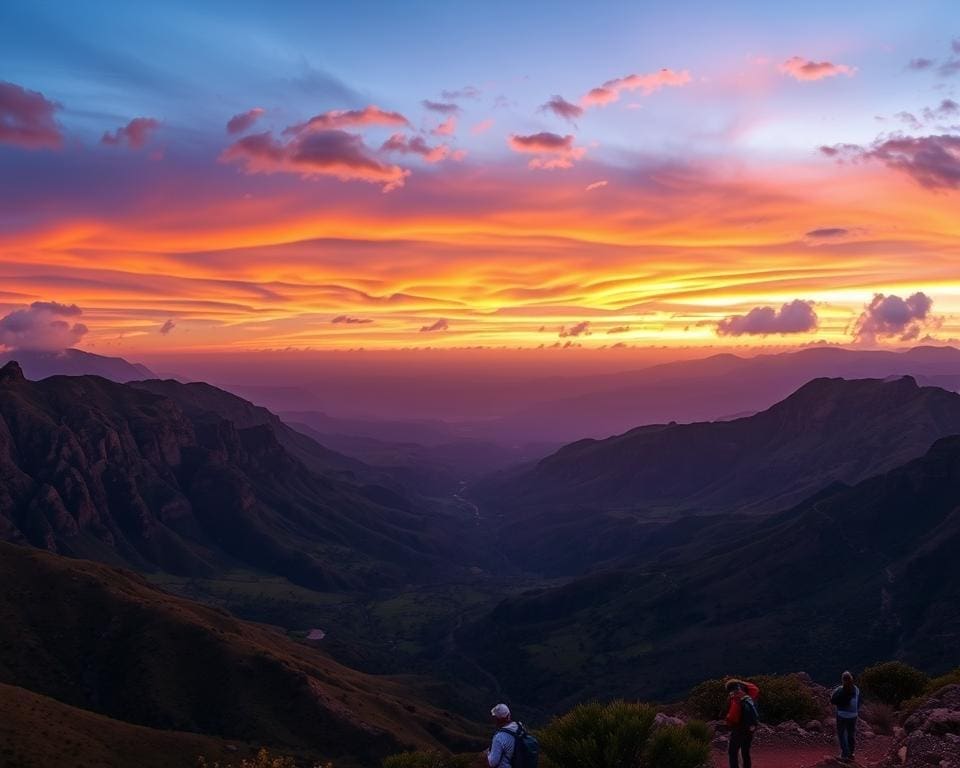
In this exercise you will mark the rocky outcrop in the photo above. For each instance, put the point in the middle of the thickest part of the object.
(931, 734)
(105, 471)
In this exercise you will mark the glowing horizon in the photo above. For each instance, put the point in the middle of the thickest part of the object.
(757, 183)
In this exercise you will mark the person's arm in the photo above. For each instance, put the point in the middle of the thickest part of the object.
(495, 753)
(753, 691)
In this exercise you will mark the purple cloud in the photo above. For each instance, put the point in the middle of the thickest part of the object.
(243, 121)
(580, 329)
(441, 107)
(323, 153)
(932, 161)
(892, 316)
(467, 92)
(348, 320)
(919, 64)
(562, 108)
(439, 325)
(168, 326)
(827, 232)
(134, 134)
(41, 327)
(794, 317)
(26, 119)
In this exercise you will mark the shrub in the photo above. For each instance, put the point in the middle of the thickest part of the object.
(672, 747)
(892, 683)
(882, 717)
(428, 759)
(598, 736)
(781, 698)
(786, 697)
(950, 678)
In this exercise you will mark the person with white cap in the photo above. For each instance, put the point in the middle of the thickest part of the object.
(500, 754)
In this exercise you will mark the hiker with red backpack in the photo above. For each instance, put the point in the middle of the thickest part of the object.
(743, 718)
(513, 746)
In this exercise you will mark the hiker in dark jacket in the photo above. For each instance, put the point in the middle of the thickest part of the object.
(500, 754)
(742, 719)
(847, 699)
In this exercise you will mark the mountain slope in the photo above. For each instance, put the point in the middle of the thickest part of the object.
(39, 732)
(101, 639)
(38, 365)
(830, 430)
(850, 576)
(103, 470)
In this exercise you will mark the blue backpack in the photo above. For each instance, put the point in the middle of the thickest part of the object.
(526, 749)
(749, 716)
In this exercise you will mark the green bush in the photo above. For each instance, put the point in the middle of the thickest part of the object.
(263, 759)
(708, 700)
(672, 747)
(598, 736)
(786, 697)
(781, 698)
(430, 759)
(950, 678)
(892, 683)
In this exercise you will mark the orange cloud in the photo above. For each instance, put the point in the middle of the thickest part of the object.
(805, 69)
(348, 118)
(447, 128)
(610, 91)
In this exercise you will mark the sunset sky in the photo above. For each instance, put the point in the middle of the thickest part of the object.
(217, 176)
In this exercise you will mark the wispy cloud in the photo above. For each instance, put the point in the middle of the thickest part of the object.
(610, 91)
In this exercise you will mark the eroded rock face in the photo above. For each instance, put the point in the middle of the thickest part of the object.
(113, 472)
(931, 735)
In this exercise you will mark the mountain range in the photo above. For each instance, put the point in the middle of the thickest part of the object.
(38, 365)
(849, 576)
(609, 495)
(195, 481)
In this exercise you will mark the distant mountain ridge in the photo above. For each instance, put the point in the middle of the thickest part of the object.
(829, 430)
(38, 365)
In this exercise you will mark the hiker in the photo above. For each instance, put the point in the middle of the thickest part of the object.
(846, 698)
(742, 718)
(500, 754)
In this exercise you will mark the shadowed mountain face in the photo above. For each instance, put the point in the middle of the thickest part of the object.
(604, 493)
(38, 365)
(845, 578)
(101, 639)
(96, 469)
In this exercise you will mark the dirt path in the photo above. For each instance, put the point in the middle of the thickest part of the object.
(869, 753)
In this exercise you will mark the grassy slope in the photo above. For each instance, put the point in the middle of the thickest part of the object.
(38, 732)
(103, 639)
